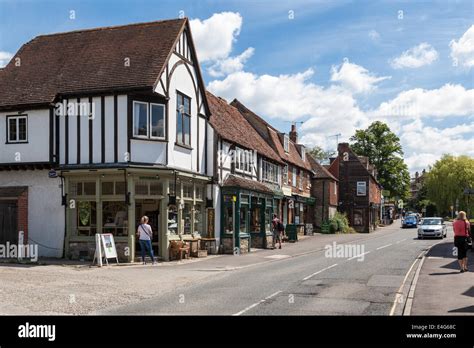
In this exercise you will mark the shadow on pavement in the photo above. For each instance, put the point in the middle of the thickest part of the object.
(469, 309)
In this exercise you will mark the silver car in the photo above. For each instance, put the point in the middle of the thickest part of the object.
(432, 227)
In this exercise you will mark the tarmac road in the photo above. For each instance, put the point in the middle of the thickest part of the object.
(285, 282)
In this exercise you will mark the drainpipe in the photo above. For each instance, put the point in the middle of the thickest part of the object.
(64, 202)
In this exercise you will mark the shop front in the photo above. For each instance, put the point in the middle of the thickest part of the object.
(114, 200)
(297, 209)
(247, 218)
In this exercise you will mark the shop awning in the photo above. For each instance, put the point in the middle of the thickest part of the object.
(247, 184)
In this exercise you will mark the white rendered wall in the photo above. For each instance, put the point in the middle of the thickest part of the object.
(37, 147)
(45, 213)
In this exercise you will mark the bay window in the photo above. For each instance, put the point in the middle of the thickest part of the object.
(148, 120)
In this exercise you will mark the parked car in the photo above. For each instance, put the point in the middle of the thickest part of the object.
(432, 227)
(410, 221)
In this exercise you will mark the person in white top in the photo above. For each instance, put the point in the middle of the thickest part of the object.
(145, 236)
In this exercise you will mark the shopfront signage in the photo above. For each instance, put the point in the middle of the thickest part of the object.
(108, 242)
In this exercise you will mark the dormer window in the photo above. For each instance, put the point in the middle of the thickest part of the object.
(286, 143)
(303, 154)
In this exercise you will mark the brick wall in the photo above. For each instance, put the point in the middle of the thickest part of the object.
(23, 214)
(375, 194)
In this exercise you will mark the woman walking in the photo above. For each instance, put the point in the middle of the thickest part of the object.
(461, 227)
(145, 236)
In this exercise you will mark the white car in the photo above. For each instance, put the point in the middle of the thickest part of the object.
(432, 227)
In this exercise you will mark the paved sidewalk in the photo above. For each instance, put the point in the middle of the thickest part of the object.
(441, 288)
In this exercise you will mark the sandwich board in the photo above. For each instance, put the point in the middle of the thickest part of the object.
(104, 248)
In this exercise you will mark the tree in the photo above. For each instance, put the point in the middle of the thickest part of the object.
(321, 155)
(446, 182)
(384, 150)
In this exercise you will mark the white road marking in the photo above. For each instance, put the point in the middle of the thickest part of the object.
(384, 246)
(256, 304)
(401, 240)
(277, 256)
(324, 269)
(357, 256)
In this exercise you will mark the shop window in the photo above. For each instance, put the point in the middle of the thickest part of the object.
(229, 219)
(188, 190)
(115, 218)
(268, 219)
(187, 218)
(243, 219)
(108, 188)
(199, 219)
(83, 189)
(244, 199)
(255, 222)
(172, 220)
(141, 188)
(86, 218)
(199, 192)
(120, 188)
(156, 188)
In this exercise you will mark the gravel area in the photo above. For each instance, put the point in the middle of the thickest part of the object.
(79, 290)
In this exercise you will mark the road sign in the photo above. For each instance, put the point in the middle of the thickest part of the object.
(468, 191)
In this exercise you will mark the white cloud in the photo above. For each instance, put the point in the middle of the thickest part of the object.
(374, 35)
(355, 77)
(5, 57)
(448, 100)
(416, 57)
(462, 51)
(335, 109)
(426, 144)
(230, 65)
(215, 36)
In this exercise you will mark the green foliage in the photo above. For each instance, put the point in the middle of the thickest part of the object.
(384, 150)
(339, 224)
(446, 182)
(321, 155)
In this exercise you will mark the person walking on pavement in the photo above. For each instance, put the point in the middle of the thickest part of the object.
(461, 227)
(145, 236)
(276, 224)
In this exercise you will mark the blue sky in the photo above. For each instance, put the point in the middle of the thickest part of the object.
(331, 64)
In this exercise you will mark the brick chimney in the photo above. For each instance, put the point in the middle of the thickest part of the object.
(294, 134)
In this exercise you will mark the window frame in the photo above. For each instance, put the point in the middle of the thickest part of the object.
(154, 137)
(269, 172)
(148, 135)
(294, 173)
(358, 185)
(147, 117)
(16, 118)
(246, 165)
(182, 115)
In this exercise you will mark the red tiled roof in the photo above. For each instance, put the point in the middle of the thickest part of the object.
(270, 134)
(253, 185)
(87, 61)
(319, 170)
(232, 126)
